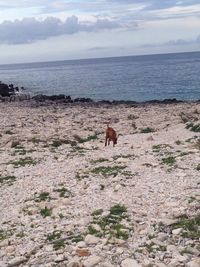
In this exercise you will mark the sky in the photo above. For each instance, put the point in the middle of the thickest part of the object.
(47, 30)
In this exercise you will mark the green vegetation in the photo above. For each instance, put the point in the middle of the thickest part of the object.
(42, 197)
(178, 142)
(77, 238)
(58, 142)
(169, 161)
(53, 236)
(7, 179)
(58, 244)
(193, 127)
(46, 212)
(22, 162)
(158, 148)
(89, 138)
(146, 130)
(63, 192)
(128, 156)
(4, 234)
(110, 225)
(100, 160)
(109, 170)
(191, 226)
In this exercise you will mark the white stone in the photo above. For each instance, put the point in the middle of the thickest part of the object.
(16, 261)
(194, 263)
(96, 227)
(92, 261)
(106, 264)
(130, 263)
(162, 236)
(74, 264)
(4, 243)
(91, 239)
(81, 244)
(177, 231)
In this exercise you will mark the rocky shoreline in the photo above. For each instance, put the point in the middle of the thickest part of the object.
(9, 93)
(66, 200)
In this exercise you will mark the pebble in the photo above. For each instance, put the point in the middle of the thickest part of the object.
(92, 261)
(130, 263)
(194, 263)
(16, 261)
(91, 240)
(177, 231)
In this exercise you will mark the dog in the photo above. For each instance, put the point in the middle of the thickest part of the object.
(110, 136)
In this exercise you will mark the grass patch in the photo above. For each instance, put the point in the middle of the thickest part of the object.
(44, 196)
(107, 171)
(5, 234)
(191, 226)
(117, 210)
(53, 236)
(58, 244)
(23, 162)
(7, 179)
(178, 142)
(100, 160)
(87, 139)
(128, 156)
(158, 148)
(46, 212)
(110, 225)
(193, 127)
(146, 130)
(169, 160)
(63, 192)
(77, 238)
(59, 142)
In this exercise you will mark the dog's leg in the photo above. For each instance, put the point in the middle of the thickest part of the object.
(106, 141)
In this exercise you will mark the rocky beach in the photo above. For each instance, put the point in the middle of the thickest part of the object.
(66, 200)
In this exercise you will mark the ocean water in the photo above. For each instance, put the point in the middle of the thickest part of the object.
(138, 78)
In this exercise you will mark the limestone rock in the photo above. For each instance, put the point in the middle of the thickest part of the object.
(92, 261)
(194, 263)
(177, 231)
(91, 239)
(130, 263)
(17, 261)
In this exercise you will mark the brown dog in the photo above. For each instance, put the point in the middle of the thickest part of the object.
(110, 136)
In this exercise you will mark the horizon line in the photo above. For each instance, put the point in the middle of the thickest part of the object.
(96, 58)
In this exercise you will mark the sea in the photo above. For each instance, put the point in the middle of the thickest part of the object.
(136, 78)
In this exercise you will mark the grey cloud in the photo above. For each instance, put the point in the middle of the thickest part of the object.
(30, 30)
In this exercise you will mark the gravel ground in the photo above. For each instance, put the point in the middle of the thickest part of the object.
(67, 200)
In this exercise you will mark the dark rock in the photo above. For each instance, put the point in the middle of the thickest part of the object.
(60, 98)
(126, 102)
(83, 100)
(165, 101)
(5, 90)
(104, 102)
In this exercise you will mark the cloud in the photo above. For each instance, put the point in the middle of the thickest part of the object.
(29, 30)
